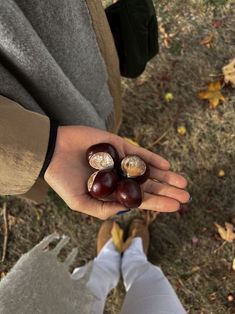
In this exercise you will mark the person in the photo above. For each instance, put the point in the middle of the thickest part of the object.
(39, 283)
(60, 94)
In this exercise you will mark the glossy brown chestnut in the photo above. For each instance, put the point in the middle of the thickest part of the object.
(102, 183)
(102, 156)
(128, 193)
(144, 177)
(133, 166)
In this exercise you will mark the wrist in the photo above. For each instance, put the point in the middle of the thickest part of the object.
(51, 147)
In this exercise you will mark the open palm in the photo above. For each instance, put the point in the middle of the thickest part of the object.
(68, 172)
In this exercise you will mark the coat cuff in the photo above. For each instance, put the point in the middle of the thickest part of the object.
(24, 137)
(51, 146)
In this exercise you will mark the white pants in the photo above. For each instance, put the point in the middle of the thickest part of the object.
(148, 290)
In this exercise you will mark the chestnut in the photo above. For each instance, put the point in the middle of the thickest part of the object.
(144, 177)
(102, 156)
(133, 166)
(102, 183)
(122, 173)
(128, 193)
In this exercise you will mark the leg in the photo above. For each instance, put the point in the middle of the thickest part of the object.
(148, 290)
(105, 272)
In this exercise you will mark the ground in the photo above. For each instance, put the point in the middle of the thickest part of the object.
(186, 246)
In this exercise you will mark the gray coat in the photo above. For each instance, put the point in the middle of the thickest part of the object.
(57, 58)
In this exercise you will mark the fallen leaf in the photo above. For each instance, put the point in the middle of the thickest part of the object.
(207, 41)
(233, 266)
(226, 233)
(212, 94)
(221, 173)
(166, 38)
(181, 130)
(117, 237)
(229, 72)
(168, 97)
(142, 79)
(129, 140)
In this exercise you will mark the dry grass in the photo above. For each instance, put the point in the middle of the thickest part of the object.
(201, 273)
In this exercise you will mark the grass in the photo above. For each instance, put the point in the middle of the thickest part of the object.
(200, 272)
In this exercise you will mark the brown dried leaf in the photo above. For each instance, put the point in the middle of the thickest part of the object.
(226, 233)
(229, 72)
(212, 94)
(165, 36)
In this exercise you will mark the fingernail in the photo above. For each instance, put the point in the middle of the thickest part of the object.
(123, 212)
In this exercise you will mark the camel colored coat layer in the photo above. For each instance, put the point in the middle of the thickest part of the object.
(24, 111)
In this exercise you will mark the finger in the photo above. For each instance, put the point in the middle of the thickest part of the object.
(168, 177)
(149, 157)
(159, 203)
(158, 188)
(93, 207)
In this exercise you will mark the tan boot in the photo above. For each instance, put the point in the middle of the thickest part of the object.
(104, 234)
(139, 228)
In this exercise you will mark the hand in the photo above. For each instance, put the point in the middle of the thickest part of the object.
(68, 172)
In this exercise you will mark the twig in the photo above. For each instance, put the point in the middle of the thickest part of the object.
(220, 247)
(6, 230)
(216, 75)
(158, 140)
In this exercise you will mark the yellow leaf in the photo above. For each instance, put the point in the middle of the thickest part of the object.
(226, 233)
(207, 41)
(168, 97)
(212, 94)
(117, 237)
(129, 140)
(229, 72)
(181, 130)
(221, 173)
